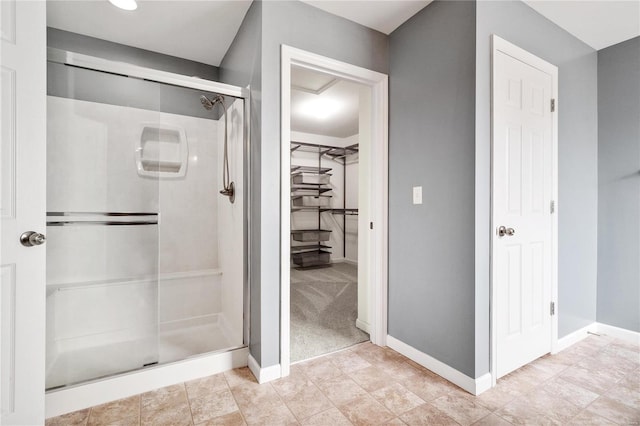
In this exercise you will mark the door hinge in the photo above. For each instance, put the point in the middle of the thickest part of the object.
(552, 308)
(552, 207)
(370, 225)
(553, 105)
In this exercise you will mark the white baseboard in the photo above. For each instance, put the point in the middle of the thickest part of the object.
(264, 375)
(619, 333)
(66, 400)
(364, 326)
(597, 328)
(575, 337)
(473, 386)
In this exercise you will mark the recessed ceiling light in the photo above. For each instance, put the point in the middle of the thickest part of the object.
(321, 108)
(125, 4)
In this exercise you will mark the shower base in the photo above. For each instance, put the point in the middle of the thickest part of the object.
(177, 340)
(186, 338)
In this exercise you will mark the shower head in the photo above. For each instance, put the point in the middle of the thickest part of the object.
(206, 102)
(210, 103)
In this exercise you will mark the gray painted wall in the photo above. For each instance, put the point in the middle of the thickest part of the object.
(119, 52)
(242, 66)
(577, 158)
(619, 185)
(254, 57)
(94, 86)
(432, 144)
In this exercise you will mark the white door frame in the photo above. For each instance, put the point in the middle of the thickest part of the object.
(378, 261)
(500, 45)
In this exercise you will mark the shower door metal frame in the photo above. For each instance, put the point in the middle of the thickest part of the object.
(95, 392)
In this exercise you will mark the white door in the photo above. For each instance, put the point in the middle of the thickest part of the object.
(522, 217)
(22, 208)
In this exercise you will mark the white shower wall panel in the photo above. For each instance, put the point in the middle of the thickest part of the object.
(92, 168)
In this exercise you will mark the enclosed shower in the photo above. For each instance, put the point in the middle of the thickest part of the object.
(146, 219)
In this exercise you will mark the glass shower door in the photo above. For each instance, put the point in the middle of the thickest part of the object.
(102, 226)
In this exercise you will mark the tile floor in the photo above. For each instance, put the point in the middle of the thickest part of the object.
(595, 382)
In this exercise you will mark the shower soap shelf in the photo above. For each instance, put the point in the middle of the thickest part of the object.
(162, 151)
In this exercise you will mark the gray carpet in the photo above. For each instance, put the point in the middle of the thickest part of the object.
(324, 308)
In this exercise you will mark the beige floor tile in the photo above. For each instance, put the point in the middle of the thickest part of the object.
(274, 416)
(397, 398)
(631, 380)
(163, 396)
(330, 417)
(497, 397)
(492, 420)
(550, 364)
(320, 369)
(366, 411)
(428, 387)
(371, 378)
(214, 404)
(615, 411)
(341, 390)
(165, 406)
(202, 387)
(395, 422)
(122, 410)
(291, 385)
(349, 361)
(239, 377)
(427, 414)
(254, 399)
(611, 365)
(175, 414)
(231, 419)
(575, 394)
(399, 370)
(625, 394)
(633, 347)
(519, 412)
(593, 380)
(585, 418)
(309, 401)
(460, 408)
(77, 418)
(377, 355)
(551, 406)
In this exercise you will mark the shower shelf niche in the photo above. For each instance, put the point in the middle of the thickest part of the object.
(162, 151)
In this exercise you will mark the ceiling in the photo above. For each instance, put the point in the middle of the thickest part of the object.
(198, 30)
(323, 105)
(382, 15)
(599, 24)
(203, 30)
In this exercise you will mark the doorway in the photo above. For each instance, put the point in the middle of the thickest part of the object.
(334, 225)
(524, 203)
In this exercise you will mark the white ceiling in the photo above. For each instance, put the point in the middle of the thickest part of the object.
(338, 102)
(599, 24)
(198, 30)
(382, 15)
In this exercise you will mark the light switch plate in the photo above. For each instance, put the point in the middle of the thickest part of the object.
(417, 195)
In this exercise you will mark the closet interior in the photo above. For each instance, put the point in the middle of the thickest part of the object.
(328, 286)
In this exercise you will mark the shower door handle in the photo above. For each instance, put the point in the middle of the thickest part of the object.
(31, 238)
